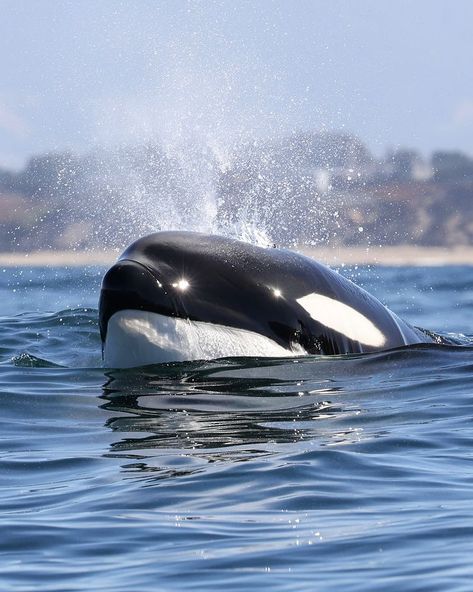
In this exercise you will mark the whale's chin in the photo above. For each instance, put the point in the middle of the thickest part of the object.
(138, 338)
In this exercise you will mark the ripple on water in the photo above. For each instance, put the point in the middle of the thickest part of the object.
(348, 472)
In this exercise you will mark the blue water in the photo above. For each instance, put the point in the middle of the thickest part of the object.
(344, 473)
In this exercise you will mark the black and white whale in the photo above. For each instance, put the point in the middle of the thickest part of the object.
(176, 296)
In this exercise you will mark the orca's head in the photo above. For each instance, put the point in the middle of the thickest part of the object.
(176, 296)
(180, 296)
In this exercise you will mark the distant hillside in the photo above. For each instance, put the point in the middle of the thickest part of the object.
(313, 188)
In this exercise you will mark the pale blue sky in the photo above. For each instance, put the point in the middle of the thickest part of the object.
(77, 74)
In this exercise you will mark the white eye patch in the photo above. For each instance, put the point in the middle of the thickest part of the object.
(342, 318)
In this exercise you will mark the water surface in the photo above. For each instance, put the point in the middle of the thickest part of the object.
(341, 473)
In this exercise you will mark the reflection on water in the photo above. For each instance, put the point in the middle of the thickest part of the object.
(172, 418)
(175, 419)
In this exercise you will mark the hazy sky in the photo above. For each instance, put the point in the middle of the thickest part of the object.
(76, 74)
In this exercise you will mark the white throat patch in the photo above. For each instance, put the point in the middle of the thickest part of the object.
(342, 318)
(137, 338)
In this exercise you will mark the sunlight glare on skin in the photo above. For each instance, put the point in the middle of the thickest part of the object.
(181, 285)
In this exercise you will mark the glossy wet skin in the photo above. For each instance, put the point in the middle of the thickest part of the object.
(230, 283)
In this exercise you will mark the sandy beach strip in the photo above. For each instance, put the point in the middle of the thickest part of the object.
(335, 256)
(392, 256)
(58, 258)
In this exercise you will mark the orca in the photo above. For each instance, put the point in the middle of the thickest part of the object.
(176, 296)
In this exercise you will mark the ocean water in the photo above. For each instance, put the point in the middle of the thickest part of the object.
(316, 473)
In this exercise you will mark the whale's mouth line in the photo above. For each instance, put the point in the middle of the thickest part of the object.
(137, 338)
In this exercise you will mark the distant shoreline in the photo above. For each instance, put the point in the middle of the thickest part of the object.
(390, 256)
(394, 256)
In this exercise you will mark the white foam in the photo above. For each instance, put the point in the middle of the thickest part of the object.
(137, 338)
(342, 318)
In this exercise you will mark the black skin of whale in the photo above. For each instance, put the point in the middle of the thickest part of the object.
(233, 283)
